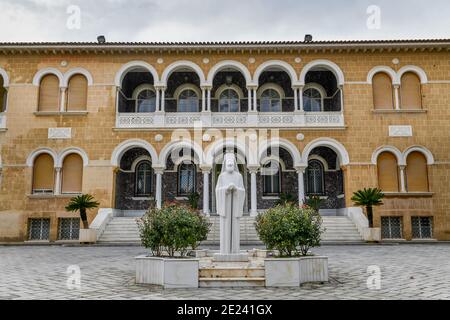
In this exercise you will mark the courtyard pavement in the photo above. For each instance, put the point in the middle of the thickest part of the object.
(406, 272)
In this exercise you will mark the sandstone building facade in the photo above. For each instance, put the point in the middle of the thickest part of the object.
(139, 124)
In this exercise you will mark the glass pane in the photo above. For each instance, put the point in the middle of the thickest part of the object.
(265, 105)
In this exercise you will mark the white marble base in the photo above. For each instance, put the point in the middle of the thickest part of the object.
(88, 236)
(238, 257)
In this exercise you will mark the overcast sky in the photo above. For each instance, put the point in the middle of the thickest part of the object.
(214, 20)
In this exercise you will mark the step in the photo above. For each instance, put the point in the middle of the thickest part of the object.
(231, 282)
(220, 273)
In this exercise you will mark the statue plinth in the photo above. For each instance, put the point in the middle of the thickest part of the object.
(231, 257)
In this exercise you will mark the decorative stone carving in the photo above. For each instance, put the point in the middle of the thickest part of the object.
(59, 133)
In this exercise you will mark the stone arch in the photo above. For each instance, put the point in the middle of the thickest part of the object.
(33, 155)
(383, 69)
(281, 143)
(414, 69)
(5, 77)
(43, 72)
(75, 71)
(69, 151)
(329, 65)
(183, 63)
(133, 143)
(427, 153)
(213, 149)
(228, 63)
(275, 63)
(390, 149)
(135, 64)
(175, 145)
(334, 145)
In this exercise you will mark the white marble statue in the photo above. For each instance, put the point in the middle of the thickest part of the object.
(230, 196)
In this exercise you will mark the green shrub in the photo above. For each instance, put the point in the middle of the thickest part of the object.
(314, 202)
(287, 198)
(193, 200)
(290, 229)
(171, 229)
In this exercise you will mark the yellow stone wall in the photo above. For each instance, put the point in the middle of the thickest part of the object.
(365, 130)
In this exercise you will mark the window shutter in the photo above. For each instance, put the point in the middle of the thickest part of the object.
(43, 177)
(411, 91)
(72, 174)
(77, 93)
(49, 93)
(417, 172)
(382, 91)
(387, 172)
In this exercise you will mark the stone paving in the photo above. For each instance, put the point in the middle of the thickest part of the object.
(40, 272)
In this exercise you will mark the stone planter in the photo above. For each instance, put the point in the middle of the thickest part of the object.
(167, 272)
(292, 272)
(372, 234)
(88, 236)
(313, 269)
(281, 272)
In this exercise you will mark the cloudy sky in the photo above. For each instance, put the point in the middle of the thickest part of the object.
(214, 20)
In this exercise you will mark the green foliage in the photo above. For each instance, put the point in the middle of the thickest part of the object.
(193, 200)
(290, 229)
(368, 198)
(286, 198)
(171, 229)
(82, 203)
(314, 203)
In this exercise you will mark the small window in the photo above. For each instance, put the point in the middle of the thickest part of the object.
(144, 176)
(229, 101)
(188, 101)
(72, 174)
(416, 172)
(38, 229)
(422, 227)
(43, 174)
(49, 93)
(272, 178)
(270, 101)
(77, 93)
(68, 228)
(146, 101)
(391, 228)
(382, 92)
(312, 100)
(186, 179)
(411, 91)
(3, 96)
(315, 178)
(387, 172)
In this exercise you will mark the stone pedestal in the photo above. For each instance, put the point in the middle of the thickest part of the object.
(237, 257)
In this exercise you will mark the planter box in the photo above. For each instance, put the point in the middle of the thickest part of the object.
(167, 272)
(282, 272)
(292, 272)
(88, 236)
(313, 269)
(372, 234)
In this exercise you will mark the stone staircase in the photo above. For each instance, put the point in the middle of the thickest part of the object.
(124, 230)
(232, 277)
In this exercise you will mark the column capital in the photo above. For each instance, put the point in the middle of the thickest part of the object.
(205, 168)
(253, 169)
(159, 169)
(300, 169)
(206, 87)
(58, 169)
(160, 87)
(402, 166)
(298, 86)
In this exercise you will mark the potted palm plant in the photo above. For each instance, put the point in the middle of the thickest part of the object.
(369, 198)
(82, 203)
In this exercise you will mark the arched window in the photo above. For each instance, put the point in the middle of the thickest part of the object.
(312, 100)
(416, 172)
(229, 101)
(315, 178)
(77, 93)
(382, 91)
(144, 176)
(188, 101)
(49, 93)
(146, 101)
(186, 179)
(272, 178)
(3, 94)
(43, 174)
(387, 172)
(270, 101)
(411, 91)
(72, 174)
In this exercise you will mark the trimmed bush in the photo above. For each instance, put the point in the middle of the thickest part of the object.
(290, 229)
(172, 229)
